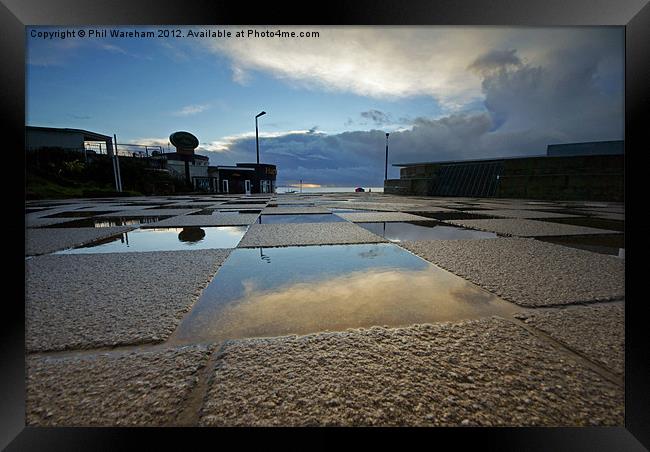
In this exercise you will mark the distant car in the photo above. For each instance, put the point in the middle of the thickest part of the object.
(359, 189)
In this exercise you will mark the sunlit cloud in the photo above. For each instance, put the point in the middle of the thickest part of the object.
(189, 110)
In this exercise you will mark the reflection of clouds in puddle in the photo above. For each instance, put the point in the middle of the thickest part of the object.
(361, 299)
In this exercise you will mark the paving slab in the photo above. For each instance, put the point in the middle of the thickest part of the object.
(112, 389)
(487, 372)
(527, 228)
(150, 212)
(47, 240)
(241, 206)
(290, 234)
(116, 208)
(204, 220)
(287, 210)
(528, 272)
(87, 301)
(507, 213)
(382, 207)
(417, 209)
(596, 331)
(610, 216)
(373, 217)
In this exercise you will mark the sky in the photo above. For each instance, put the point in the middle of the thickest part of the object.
(443, 93)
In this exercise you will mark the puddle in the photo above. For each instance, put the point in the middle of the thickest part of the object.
(613, 244)
(351, 210)
(423, 230)
(78, 214)
(179, 206)
(300, 218)
(245, 201)
(292, 205)
(107, 222)
(165, 239)
(591, 222)
(220, 212)
(262, 292)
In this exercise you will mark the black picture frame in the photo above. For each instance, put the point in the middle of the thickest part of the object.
(15, 15)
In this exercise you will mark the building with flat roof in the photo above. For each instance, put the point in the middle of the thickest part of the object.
(62, 138)
(583, 171)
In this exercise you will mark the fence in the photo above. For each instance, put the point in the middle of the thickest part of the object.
(124, 149)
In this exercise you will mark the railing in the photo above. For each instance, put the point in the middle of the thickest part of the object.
(124, 149)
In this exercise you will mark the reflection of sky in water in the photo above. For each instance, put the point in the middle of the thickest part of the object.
(166, 239)
(398, 231)
(298, 290)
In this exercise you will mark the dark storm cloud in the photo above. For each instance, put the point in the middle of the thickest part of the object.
(575, 95)
(377, 117)
(495, 59)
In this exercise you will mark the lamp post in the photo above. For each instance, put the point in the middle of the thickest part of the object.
(257, 140)
(386, 165)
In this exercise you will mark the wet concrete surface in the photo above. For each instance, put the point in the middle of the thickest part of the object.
(529, 272)
(131, 389)
(301, 218)
(424, 230)
(541, 367)
(488, 372)
(596, 331)
(87, 301)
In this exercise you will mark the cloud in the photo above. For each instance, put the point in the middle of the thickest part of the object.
(399, 62)
(114, 49)
(495, 60)
(240, 76)
(377, 117)
(189, 110)
(575, 95)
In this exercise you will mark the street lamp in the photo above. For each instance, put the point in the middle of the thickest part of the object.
(257, 140)
(386, 166)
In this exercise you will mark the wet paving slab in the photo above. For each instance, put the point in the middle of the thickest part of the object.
(292, 210)
(296, 290)
(130, 389)
(302, 218)
(221, 211)
(165, 239)
(452, 215)
(46, 240)
(374, 217)
(78, 214)
(529, 272)
(520, 227)
(595, 331)
(107, 222)
(424, 230)
(532, 214)
(298, 234)
(217, 219)
(87, 301)
(487, 372)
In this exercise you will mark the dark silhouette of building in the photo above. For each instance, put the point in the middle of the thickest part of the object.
(579, 171)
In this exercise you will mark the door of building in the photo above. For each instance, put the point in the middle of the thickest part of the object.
(247, 184)
(225, 186)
